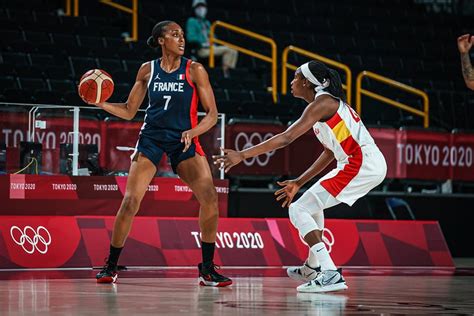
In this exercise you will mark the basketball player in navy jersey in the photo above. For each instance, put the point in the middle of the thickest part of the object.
(174, 85)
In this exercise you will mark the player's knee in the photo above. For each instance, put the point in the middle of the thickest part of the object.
(130, 205)
(209, 197)
(297, 214)
(301, 219)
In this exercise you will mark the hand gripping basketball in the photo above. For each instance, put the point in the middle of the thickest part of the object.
(96, 86)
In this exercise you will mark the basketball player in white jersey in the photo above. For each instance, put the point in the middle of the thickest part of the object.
(360, 167)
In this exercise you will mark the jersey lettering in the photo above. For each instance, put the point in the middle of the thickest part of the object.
(354, 114)
(168, 86)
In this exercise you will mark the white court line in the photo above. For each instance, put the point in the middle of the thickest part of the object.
(231, 267)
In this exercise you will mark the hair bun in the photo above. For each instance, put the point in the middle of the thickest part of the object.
(152, 42)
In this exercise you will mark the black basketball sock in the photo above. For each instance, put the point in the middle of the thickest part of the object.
(114, 255)
(207, 253)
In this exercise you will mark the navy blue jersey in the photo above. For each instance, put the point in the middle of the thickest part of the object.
(173, 103)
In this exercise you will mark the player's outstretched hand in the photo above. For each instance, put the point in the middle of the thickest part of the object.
(465, 43)
(228, 159)
(288, 192)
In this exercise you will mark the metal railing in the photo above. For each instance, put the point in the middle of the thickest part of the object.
(55, 125)
(272, 60)
(133, 11)
(285, 65)
(360, 91)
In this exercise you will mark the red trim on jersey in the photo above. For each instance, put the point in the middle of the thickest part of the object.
(188, 76)
(350, 146)
(337, 183)
(334, 120)
(193, 111)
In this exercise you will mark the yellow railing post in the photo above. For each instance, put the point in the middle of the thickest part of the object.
(135, 21)
(273, 60)
(360, 91)
(68, 8)
(133, 11)
(285, 65)
(76, 8)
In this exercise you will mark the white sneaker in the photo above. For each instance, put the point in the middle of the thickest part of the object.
(326, 281)
(303, 273)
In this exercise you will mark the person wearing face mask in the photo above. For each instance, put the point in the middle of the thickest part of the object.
(197, 34)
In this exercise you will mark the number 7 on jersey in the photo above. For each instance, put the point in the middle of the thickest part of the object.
(168, 98)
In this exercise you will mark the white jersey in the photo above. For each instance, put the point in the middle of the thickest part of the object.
(344, 133)
(360, 164)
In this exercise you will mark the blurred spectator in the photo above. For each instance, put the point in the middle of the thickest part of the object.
(197, 35)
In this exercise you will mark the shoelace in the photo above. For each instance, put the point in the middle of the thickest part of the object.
(214, 267)
(211, 267)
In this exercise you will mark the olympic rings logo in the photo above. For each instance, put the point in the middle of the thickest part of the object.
(254, 139)
(328, 240)
(29, 239)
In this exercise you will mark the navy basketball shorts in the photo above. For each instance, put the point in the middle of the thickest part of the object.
(154, 149)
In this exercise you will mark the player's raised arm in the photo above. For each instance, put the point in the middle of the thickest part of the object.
(465, 43)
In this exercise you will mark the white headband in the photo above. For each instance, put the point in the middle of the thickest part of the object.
(309, 75)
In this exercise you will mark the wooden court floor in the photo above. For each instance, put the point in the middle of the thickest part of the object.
(254, 292)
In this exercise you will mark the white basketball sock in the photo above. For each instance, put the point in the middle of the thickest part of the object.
(312, 260)
(320, 251)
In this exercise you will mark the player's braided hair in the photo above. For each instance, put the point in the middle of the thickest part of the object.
(321, 72)
(157, 31)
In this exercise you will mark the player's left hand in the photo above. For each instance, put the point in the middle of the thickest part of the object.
(227, 160)
(187, 139)
(288, 192)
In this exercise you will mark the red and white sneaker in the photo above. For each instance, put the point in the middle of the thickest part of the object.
(108, 274)
(209, 277)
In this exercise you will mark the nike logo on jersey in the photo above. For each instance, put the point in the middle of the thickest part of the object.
(168, 86)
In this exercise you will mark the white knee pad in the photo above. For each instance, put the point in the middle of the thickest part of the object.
(307, 214)
(301, 218)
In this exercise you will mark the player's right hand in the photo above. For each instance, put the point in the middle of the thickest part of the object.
(227, 160)
(89, 103)
(465, 43)
(288, 192)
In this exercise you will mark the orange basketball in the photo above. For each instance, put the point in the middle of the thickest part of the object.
(96, 86)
